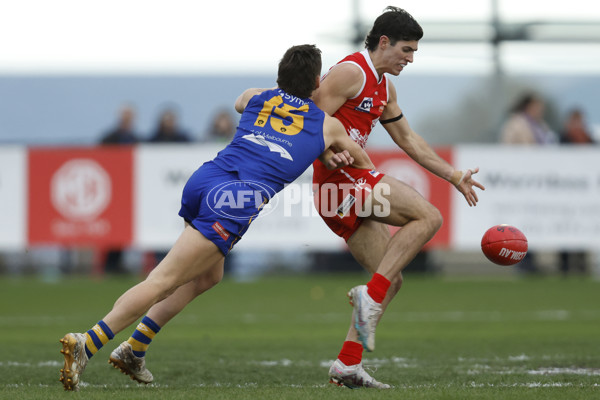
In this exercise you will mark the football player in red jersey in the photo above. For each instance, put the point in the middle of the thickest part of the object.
(358, 93)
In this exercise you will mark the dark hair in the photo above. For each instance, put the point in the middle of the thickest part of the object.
(299, 69)
(524, 101)
(396, 24)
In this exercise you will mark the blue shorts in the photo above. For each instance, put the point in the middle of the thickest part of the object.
(220, 205)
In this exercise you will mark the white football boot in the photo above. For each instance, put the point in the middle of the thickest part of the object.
(123, 358)
(76, 359)
(353, 376)
(366, 315)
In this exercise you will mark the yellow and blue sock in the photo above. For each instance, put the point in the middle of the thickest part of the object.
(143, 335)
(97, 337)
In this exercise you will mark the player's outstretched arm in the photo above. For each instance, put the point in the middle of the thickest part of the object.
(338, 144)
(420, 151)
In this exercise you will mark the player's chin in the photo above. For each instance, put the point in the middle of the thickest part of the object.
(397, 70)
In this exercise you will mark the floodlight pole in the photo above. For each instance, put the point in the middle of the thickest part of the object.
(496, 39)
(498, 97)
(358, 30)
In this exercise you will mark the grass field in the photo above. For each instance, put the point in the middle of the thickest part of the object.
(275, 338)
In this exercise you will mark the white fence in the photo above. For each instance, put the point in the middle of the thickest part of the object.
(552, 194)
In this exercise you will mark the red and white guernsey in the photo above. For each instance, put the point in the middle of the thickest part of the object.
(359, 115)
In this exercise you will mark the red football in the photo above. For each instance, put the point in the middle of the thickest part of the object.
(504, 244)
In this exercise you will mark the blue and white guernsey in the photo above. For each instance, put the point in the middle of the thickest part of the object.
(278, 138)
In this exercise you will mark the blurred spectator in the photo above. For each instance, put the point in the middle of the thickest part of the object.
(168, 130)
(123, 133)
(526, 123)
(222, 127)
(526, 126)
(575, 130)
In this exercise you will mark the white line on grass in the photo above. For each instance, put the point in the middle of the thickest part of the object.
(568, 371)
(254, 385)
(52, 363)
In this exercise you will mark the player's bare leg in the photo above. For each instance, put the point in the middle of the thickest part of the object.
(419, 220)
(165, 310)
(191, 256)
(368, 245)
(394, 203)
(125, 359)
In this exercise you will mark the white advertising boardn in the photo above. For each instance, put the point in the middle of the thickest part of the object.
(288, 221)
(160, 174)
(13, 197)
(552, 194)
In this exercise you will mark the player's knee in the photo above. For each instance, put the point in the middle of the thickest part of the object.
(160, 289)
(434, 219)
(208, 280)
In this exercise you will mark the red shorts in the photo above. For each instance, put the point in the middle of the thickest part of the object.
(339, 195)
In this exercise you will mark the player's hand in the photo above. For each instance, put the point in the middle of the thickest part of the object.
(467, 185)
(339, 160)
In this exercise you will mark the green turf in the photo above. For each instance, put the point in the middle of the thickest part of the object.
(274, 339)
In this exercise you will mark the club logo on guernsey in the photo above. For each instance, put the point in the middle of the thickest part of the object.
(365, 105)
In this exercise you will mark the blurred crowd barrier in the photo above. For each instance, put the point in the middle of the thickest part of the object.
(128, 197)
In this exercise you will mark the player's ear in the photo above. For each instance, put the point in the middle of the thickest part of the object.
(318, 83)
(384, 41)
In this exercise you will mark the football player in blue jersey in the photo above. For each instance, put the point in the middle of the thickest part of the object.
(281, 132)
